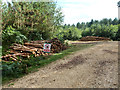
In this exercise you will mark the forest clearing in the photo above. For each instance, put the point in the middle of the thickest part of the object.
(39, 50)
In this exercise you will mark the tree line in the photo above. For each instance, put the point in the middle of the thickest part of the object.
(101, 28)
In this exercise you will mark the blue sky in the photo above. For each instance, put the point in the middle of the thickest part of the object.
(85, 10)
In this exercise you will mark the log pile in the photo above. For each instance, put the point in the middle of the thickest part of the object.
(94, 38)
(33, 48)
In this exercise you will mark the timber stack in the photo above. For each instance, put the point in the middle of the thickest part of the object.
(33, 48)
(94, 38)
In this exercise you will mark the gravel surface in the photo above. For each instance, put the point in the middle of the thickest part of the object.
(94, 67)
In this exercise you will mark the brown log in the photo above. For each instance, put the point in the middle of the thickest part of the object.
(13, 58)
(25, 49)
(38, 42)
(13, 52)
(94, 38)
(35, 45)
(14, 55)
(6, 56)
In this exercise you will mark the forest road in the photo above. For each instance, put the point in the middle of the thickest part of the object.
(94, 67)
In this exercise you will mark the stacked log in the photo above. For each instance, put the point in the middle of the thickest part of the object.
(94, 38)
(33, 48)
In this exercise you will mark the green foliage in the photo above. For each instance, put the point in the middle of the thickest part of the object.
(118, 33)
(20, 38)
(39, 18)
(101, 31)
(10, 35)
(78, 25)
(103, 28)
(0, 51)
(71, 33)
(13, 69)
(35, 36)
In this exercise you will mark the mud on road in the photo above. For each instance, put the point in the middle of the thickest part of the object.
(94, 67)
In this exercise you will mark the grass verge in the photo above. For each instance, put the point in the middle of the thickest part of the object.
(34, 63)
(0, 51)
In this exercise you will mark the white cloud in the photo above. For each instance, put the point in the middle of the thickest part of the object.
(85, 10)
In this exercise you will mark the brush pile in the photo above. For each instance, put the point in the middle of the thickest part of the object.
(94, 38)
(33, 48)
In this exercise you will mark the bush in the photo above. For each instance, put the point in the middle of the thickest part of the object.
(10, 35)
(11, 69)
(17, 68)
(70, 33)
(35, 36)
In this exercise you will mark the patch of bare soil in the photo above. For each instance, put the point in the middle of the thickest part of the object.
(74, 62)
(99, 67)
(111, 52)
(94, 67)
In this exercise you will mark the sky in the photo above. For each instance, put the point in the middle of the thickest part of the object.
(84, 10)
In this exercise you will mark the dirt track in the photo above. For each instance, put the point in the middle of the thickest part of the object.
(94, 67)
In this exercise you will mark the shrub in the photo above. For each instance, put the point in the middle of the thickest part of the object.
(10, 35)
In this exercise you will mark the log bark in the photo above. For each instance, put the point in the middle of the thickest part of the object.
(33, 47)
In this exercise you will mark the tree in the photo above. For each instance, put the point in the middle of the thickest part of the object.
(73, 25)
(64, 26)
(90, 23)
(110, 21)
(115, 21)
(105, 21)
(118, 32)
(68, 25)
(78, 25)
(118, 4)
(40, 18)
(83, 26)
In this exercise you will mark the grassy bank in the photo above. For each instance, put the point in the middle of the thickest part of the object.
(0, 51)
(32, 64)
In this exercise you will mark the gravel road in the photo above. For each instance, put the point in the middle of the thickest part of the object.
(94, 67)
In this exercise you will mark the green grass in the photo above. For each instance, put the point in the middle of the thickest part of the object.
(0, 51)
(36, 63)
(0, 64)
